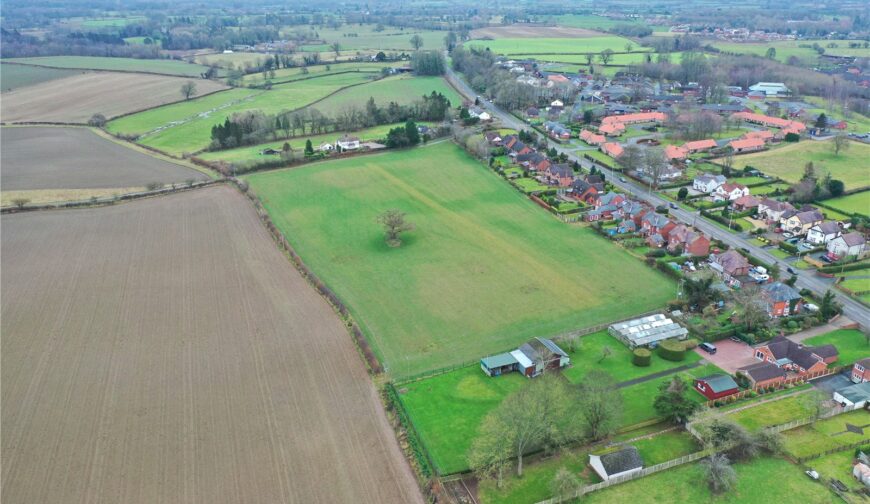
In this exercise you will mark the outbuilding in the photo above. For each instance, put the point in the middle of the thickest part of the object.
(716, 386)
(617, 464)
(857, 395)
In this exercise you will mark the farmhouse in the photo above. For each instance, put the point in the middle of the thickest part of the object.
(801, 222)
(707, 183)
(857, 395)
(716, 386)
(773, 210)
(847, 245)
(531, 359)
(782, 300)
(823, 232)
(763, 374)
(794, 357)
(347, 142)
(730, 192)
(647, 330)
(746, 145)
(616, 464)
(861, 371)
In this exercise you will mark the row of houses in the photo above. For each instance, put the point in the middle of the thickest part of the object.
(556, 174)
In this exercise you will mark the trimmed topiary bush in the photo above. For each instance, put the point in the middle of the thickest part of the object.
(690, 344)
(641, 357)
(672, 350)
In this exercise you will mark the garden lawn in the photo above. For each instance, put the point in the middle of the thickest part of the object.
(530, 185)
(851, 344)
(837, 466)
(587, 357)
(163, 66)
(403, 89)
(576, 46)
(773, 413)
(827, 434)
(856, 284)
(638, 399)
(788, 162)
(194, 132)
(686, 484)
(854, 203)
(478, 275)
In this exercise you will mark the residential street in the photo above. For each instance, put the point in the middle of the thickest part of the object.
(806, 279)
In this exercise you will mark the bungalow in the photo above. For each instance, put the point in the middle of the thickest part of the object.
(592, 138)
(823, 232)
(707, 183)
(672, 152)
(774, 122)
(612, 149)
(847, 245)
(347, 142)
(782, 300)
(531, 359)
(746, 145)
(731, 263)
(642, 117)
(493, 138)
(744, 203)
(603, 212)
(763, 374)
(861, 371)
(730, 192)
(616, 464)
(699, 145)
(794, 357)
(559, 174)
(556, 130)
(763, 135)
(716, 386)
(801, 222)
(722, 109)
(612, 129)
(772, 210)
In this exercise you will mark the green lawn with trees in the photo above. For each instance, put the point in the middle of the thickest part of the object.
(484, 270)
(852, 344)
(787, 162)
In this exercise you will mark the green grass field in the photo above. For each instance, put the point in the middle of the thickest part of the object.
(354, 37)
(163, 66)
(194, 132)
(402, 89)
(827, 434)
(252, 153)
(856, 284)
(479, 274)
(773, 413)
(851, 344)
(297, 73)
(19, 76)
(786, 49)
(854, 203)
(558, 45)
(838, 466)
(112, 22)
(788, 162)
(591, 21)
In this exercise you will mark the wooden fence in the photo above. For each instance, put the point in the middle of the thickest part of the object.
(797, 380)
(863, 442)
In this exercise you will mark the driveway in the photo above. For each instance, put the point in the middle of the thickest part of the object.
(833, 382)
(730, 355)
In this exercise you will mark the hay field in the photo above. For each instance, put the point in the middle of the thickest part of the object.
(78, 158)
(484, 270)
(75, 99)
(165, 351)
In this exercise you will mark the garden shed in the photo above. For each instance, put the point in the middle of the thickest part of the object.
(618, 463)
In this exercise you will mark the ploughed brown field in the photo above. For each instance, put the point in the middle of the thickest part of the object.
(78, 158)
(75, 99)
(531, 31)
(164, 351)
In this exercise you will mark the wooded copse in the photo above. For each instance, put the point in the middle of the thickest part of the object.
(253, 127)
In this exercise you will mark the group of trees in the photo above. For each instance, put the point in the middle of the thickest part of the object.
(253, 127)
(814, 187)
(403, 136)
(544, 414)
(428, 63)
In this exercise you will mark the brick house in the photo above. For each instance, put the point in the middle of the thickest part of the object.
(612, 149)
(801, 222)
(746, 145)
(699, 145)
(732, 264)
(794, 357)
(763, 374)
(582, 190)
(744, 203)
(715, 386)
(782, 300)
(559, 174)
(861, 371)
(592, 138)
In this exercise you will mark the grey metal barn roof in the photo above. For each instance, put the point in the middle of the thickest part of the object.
(649, 329)
(497, 361)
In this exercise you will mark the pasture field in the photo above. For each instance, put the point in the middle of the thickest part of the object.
(773, 413)
(355, 37)
(478, 275)
(297, 73)
(785, 49)
(237, 59)
(787, 162)
(634, 58)
(402, 89)
(154, 352)
(858, 203)
(827, 434)
(19, 76)
(192, 133)
(161, 66)
(531, 31)
(112, 22)
(75, 99)
(252, 153)
(522, 46)
(851, 343)
(77, 158)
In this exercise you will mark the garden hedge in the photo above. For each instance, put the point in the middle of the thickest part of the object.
(672, 350)
(641, 357)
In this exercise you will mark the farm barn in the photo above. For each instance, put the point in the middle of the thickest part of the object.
(531, 359)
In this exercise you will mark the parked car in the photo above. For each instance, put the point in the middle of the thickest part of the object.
(791, 270)
(708, 347)
(746, 250)
(622, 179)
(787, 234)
(673, 205)
(805, 246)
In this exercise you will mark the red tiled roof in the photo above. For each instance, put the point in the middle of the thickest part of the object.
(674, 152)
(746, 143)
(612, 149)
(700, 145)
(640, 117)
(776, 122)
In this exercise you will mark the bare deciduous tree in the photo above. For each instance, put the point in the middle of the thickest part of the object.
(720, 475)
(416, 42)
(394, 225)
(841, 143)
(601, 408)
(188, 89)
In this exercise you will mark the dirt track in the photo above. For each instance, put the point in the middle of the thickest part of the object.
(532, 31)
(77, 158)
(75, 99)
(164, 351)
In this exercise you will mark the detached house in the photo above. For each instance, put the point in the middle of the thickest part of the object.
(782, 300)
(707, 183)
(744, 203)
(693, 243)
(559, 174)
(730, 192)
(801, 222)
(794, 357)
(763, 374)
(773, 210)
(730, 264)
(822, 233)
(847, 245)
(347, 142)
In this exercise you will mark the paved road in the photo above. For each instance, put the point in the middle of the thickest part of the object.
(806, 279)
